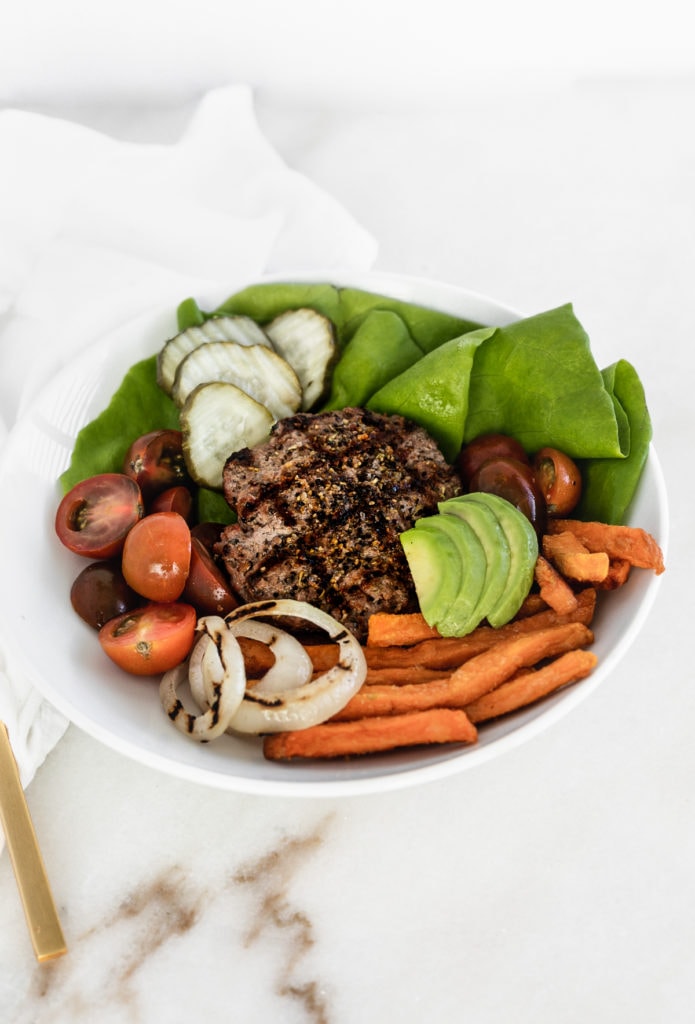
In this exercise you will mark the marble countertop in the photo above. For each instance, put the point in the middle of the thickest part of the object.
(551, 884)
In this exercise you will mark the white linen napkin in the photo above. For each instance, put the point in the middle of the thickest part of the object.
(95, 231)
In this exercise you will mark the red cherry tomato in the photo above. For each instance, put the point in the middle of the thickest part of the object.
(150, 640)
(207, 588)
(156, 461)
(559, 480)
(488, 446)
(209, 533)
(95, 516)
(101, 593)
(157, 556)
(174, 499)
(516, 482)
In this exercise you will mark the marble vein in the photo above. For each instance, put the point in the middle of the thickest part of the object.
(117, 962)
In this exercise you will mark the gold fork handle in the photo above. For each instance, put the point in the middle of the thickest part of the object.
(27, 862)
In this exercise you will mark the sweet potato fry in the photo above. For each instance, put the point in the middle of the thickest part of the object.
(471, 680)
(381, 699)
(386, 629)
(394, 629)
(573, 559)
(440, 653)
(488, 670)
(438, 656)
(258, 658)
(618, 574)
(323, 656)
(554, 590)
(531, 605)
(527, 687)
(406, 674)
(348, 739)
(450, 652)
(629, 542)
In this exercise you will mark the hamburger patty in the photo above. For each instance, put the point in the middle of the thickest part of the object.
(320, 506)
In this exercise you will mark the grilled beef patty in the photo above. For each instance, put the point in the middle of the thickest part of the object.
(320, 507)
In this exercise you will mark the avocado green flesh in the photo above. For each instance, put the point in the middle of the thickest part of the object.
(471, 561)
(495, 544)
(462, 614)
(435, 566)
(523, 549)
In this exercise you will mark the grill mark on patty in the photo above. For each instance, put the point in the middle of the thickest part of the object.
(320, 507)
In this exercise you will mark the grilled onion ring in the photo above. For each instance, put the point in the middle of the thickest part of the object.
(216, 666)
(292, 666)
(309, 703)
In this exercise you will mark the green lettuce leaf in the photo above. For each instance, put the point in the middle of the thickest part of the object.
(137, 406)
(609, 485)
(211, 507)
(380, 349)
(429, 328)
(346, 307)
(537, 380)
(189, 314)
(263, 302)
(433, 391)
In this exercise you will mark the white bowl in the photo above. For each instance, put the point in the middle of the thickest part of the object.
(62, 658)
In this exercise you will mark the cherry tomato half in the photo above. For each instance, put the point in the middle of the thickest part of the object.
(157, 556)
(207, 588)
(150, 640)
(174, 499)
(485, 447)
(95, 516)
(156, 461)
(559, 480)
(516, 482)
(209, 533)
(101, 593)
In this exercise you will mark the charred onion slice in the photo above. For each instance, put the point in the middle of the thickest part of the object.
(292, 667)
(216, 663)
(309, 703)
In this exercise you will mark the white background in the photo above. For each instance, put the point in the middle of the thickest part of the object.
(367, 50)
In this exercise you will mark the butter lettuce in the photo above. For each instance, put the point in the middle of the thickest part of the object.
(346, 307)
(381, 348)
(137, 406)
(263, 302)
(610, 484)
(434, 393)
(537, 380)
(429, 328)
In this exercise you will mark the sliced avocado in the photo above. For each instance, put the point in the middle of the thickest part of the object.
(523, 549)
(462, 615)
(435, 565)
(493, 539)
